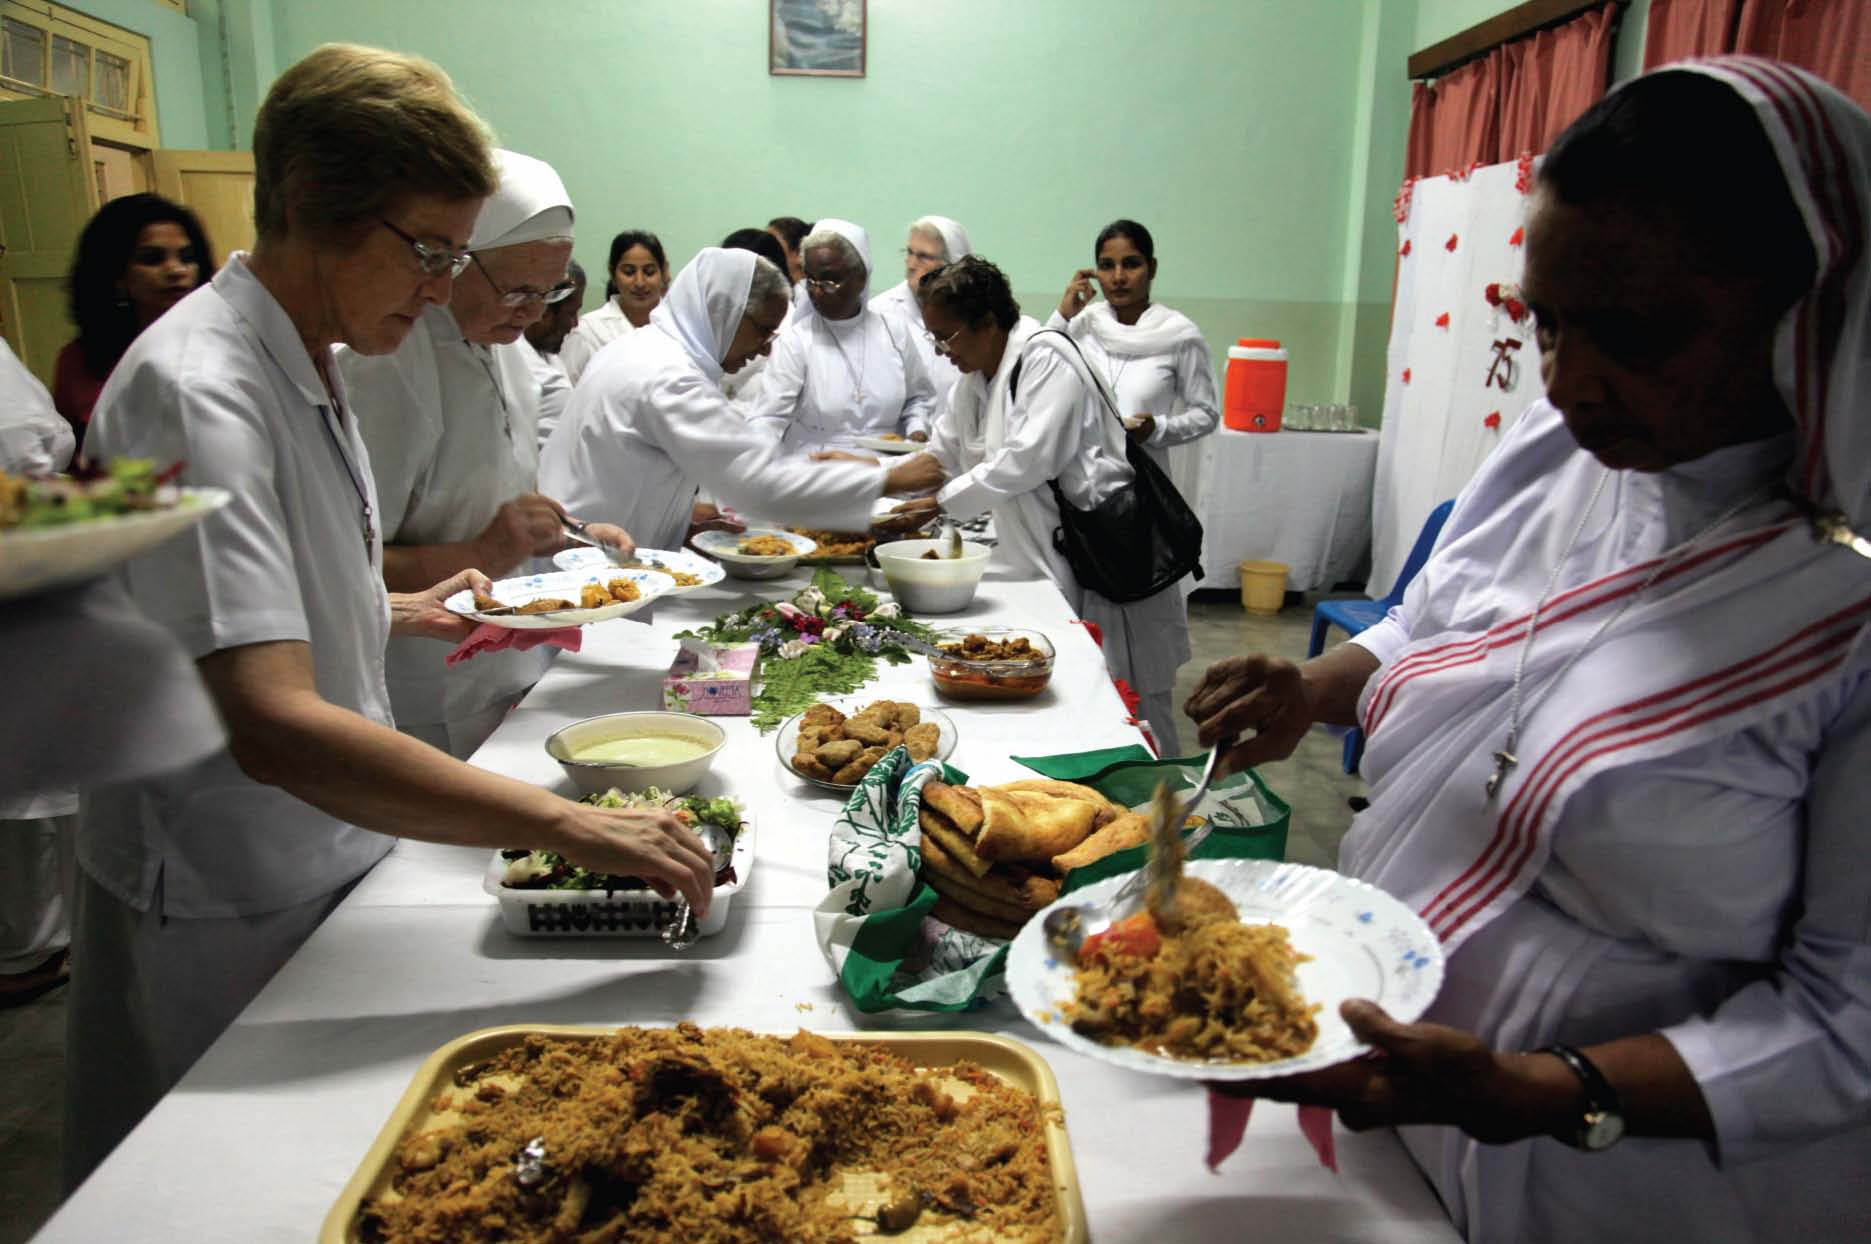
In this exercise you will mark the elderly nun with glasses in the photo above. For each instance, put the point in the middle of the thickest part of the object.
(932, 242)
(841, 372)
(197, 885)
(451, 422)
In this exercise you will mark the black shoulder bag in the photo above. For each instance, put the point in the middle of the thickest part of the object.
(1137, 541)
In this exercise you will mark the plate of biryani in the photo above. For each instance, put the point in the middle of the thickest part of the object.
(835, 548)
(58, 530)
(687, 570)
(757, 553)
(1242, 981)
(533, 1134)
(561, 598)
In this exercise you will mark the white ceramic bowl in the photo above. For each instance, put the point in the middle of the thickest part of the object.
(724, 547)
(594, 777)
(942, 585)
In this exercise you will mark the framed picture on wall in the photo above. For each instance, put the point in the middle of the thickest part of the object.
(816, 38)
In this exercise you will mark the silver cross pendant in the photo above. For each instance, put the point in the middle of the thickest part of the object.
(1503, 761)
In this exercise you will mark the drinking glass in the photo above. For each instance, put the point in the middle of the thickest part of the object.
(1351, 418)
(1298, 417)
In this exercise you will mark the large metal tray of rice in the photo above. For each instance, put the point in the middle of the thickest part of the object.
(527, 1134)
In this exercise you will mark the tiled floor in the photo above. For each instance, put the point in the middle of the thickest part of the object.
(32, 1037)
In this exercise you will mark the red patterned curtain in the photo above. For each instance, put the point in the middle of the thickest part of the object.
(1513, 101)
(1832, 38)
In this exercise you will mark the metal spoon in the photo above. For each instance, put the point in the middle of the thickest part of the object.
(955, 549)
(1066, 928)
(680, 933)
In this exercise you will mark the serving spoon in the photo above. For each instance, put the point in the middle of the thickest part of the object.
(1067, 928)
(680, 933)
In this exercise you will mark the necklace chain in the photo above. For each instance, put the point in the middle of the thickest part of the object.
(856, 373)
(1505, 758)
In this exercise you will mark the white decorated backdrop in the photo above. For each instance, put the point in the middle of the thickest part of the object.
(1437, 428)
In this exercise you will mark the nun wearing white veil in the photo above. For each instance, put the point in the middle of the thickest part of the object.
(450, 419)
(842, 372)
(648, 424)
(932, 242)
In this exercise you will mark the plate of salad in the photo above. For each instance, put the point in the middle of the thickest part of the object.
(543, 894)
(57, 530)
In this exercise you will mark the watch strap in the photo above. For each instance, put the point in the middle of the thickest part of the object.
(1601, 1099)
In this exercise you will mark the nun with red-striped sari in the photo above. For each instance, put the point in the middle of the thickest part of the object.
(1620, 728)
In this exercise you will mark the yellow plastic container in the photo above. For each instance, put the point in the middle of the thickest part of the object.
(1263, 586)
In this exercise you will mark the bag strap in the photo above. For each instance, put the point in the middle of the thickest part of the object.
(1097, 381)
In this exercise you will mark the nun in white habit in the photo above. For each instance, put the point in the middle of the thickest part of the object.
(648, 424)
(932, 242)
(1004, 448)
(450, 419)
(842, 372)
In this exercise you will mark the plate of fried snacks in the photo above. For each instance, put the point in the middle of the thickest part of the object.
(757, 553)
(888, 443)
(835, 743)
(687, 570)
(544, 602)
(57, 530)
(719, 1136)
(1238, 976)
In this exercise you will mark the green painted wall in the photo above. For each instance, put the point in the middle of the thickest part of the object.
(1238, 130)
(175, 45)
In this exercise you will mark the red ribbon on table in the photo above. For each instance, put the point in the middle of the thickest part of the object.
(490, 638)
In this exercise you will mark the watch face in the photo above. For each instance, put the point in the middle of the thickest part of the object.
(1602, 1130)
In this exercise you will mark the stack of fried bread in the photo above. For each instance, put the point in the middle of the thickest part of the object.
(997, 854)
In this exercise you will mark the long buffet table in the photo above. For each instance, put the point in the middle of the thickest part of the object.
(255, 1143)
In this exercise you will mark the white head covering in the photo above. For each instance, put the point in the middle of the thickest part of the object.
(1698, 657)
(859, 239)
(954, 237)
(705, 305)
(530, 206)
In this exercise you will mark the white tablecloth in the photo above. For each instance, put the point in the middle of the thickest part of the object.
(1299, 498)
(255, 1143)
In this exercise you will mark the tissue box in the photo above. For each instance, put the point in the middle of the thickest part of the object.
(712, 680)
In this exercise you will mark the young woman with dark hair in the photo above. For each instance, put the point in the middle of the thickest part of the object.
(636, 278)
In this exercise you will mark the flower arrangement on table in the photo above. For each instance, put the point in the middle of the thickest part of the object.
(826, 640)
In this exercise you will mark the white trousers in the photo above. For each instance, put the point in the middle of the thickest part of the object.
(153, 994)
(35, 882)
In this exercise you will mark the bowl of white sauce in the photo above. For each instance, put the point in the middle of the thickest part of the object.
(635, 751)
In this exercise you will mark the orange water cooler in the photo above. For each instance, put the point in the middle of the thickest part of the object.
(1255, 390)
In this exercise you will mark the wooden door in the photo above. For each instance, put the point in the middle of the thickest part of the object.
(218, 186)
(48, 190)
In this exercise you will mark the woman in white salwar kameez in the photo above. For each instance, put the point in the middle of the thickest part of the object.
(842, 372)
(932, 242)
(450, 419)
(638, 278)
(648, 425)
(1003, 448)
(1156, 359)
(1620, 727)
(197, 885)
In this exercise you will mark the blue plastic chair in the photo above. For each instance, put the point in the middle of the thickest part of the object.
(1353, 616)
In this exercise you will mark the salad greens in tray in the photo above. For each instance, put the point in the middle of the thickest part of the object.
(548, 870)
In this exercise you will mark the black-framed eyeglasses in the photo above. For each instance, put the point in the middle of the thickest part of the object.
(522, 296)
(432, 260)
(945, 345)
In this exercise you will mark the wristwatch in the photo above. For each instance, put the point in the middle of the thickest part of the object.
(1601, 1123)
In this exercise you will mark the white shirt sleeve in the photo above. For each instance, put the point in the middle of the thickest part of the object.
(575, 354)
(34, 437)
(1201, 406)
(782, 383)
(919, 395)
(555, 389)
(1782, 1060)
(1042, 437)
(735, 463)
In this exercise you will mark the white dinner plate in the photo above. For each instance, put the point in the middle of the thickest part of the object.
(786, 742)
(878, 444)
(585, 558)
(564, 584)
(1362, 943)
(38, 559)
(724, 547)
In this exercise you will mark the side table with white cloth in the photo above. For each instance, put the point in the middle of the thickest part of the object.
(1299, 498)
(255, 1143)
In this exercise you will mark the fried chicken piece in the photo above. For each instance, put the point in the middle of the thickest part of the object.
(923, 739)
(838, 752)
(593, 596)
(624, 591)
(545, 604)
(868, 730)
(807, 765)
(823, 716)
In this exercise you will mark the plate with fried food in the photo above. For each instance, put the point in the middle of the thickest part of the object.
(999, 854)
(835, 548)
(545, 602)
(1238, 977)
(757, 553)
(834, 744)
(687, 570)
(888, 443)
